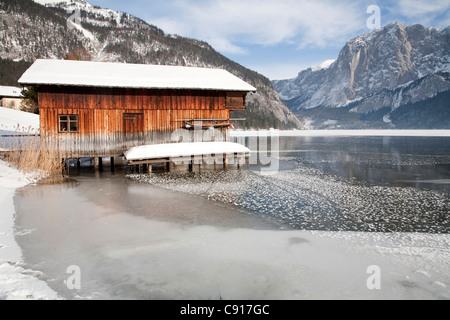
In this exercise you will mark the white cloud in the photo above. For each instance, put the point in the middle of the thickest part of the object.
(424, 11)
(228, 23)
(414, 8)
(278, 71)
(286, 70)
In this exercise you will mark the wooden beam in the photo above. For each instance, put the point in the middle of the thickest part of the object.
(153, 161)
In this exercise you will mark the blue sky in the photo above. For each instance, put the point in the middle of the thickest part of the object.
(278, 38)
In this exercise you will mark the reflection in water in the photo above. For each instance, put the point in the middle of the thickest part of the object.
(217, 234)
(378, 161)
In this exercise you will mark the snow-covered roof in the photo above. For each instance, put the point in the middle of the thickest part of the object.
(138, 76)
(11, 92)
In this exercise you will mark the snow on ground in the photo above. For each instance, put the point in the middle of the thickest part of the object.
(16, 281)
(18, 121)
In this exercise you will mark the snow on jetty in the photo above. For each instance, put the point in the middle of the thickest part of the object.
(177, 150)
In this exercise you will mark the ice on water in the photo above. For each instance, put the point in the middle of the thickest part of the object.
(129, 246)
(307, 199)
(306, 232)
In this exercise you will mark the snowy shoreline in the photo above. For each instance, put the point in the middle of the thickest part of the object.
(408, 260)
(16, 281)
(423, 259)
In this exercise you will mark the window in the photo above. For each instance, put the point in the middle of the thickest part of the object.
(68, 123)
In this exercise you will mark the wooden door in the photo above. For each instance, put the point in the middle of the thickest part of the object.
(133, 123)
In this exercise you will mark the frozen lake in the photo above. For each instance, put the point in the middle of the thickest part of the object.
(335, 207)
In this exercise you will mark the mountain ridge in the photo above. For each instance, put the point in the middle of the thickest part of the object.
(382, 70)
(30, 30)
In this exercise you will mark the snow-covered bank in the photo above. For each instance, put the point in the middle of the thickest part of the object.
(16, 281)
(18, 121)
(342, 133)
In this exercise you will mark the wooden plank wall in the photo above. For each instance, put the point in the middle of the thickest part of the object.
(235, 101)
(101, 113)
(107, 98)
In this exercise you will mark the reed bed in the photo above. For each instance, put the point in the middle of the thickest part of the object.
(32, 154)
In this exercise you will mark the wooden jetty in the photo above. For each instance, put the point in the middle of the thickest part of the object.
(189, 156)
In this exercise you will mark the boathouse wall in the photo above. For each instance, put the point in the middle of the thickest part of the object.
(105, 122)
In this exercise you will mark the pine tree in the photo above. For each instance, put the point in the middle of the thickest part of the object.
(30, 100)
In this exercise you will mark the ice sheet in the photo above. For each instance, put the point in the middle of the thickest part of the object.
(190, 248)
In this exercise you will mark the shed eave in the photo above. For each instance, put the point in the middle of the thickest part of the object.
(27, 84)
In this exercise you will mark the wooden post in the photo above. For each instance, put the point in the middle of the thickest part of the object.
(170, 166)
(225, 162)
(97, 174)
(216, 165)
(64, 163)
(195, 164)
(239, 162)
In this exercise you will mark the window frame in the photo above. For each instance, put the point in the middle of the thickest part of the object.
(68, 123)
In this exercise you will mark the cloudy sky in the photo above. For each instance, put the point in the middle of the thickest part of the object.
(278, 38)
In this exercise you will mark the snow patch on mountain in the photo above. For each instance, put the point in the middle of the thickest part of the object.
(386, 68)
(106, 35)
(53, 2)
(324, 65)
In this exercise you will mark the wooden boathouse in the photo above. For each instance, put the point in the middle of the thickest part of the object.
(97, 109)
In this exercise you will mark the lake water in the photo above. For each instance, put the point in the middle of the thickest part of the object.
(338, 184)
(309, 230)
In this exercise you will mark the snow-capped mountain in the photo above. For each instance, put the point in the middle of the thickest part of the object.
(40, 29)
(389, 74)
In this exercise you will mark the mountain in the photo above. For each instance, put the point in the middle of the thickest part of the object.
(30, 30)
(393, 77)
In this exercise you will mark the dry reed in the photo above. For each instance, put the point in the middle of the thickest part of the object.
(31, 154)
